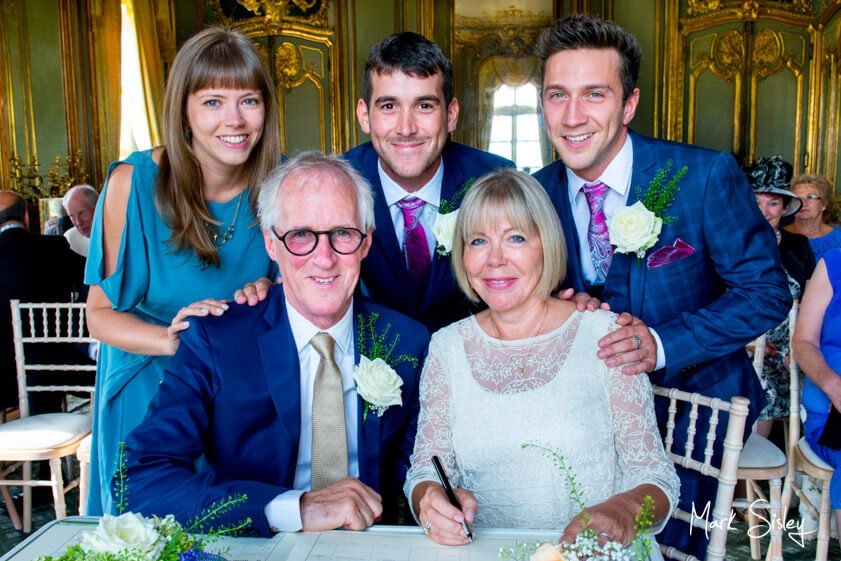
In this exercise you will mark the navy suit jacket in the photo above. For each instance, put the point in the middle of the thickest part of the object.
(385, 275)
(232, 395)
(705, 307)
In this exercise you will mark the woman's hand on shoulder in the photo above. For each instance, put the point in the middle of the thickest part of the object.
(254, 292)
(583, 301)
(208, 306)
(441, 520)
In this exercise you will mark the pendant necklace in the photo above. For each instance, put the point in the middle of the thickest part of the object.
(220, 239)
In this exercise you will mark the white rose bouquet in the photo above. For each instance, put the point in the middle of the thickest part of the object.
(636, 228)
(377, 381)
(132, 537)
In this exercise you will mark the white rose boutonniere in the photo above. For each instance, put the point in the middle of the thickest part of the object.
(378, 384)
(377, 381)
(127, 531)
(636, 228)
(445, 231)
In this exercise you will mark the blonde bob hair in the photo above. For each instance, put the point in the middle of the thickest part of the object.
(519, 198)
(213, 58)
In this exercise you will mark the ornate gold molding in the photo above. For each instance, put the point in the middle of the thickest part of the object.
(276, 12)
(516, 29)
(748, 9)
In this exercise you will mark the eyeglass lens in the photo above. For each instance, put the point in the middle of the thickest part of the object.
(304, 242)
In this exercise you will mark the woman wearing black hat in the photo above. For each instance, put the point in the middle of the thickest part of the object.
(769, 178)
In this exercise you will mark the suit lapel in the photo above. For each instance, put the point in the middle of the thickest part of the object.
(368, 431)
(558, 190)
(441, 269)
(279, 357)
(644, 168)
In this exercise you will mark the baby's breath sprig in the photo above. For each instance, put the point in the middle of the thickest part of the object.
(372, 343)
(643, 521)
(120, 481)
(566, 470)
(659, 197)
(202, 524)
(446, 207)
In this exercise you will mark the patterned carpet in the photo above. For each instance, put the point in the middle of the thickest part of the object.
(738, 548)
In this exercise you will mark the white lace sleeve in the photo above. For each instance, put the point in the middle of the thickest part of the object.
(639, 447)
(435, 435)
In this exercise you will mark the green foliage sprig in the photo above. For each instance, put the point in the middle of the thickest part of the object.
(446, 207)
(120, 481)
(660, 196)
(374, 344)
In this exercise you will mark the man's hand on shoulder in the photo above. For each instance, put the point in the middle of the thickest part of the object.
(254, 292)
(583, 301)
(631, 346)
(348, 504)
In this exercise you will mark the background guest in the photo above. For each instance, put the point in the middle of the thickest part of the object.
(176, 224)
(487, 375)
(769, 178)
(80, 202)
(817, 348)
(815, 193)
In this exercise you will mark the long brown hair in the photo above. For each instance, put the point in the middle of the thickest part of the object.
(212, 58)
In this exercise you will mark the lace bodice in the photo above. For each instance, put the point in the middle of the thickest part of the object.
(482, 398)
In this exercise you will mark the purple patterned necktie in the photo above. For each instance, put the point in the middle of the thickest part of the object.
(414, 240)
(601, 252)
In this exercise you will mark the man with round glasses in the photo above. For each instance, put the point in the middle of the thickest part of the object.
(270, 395)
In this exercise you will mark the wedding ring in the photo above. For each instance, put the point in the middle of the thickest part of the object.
(427, 526)
(604, 535)
(637, 342)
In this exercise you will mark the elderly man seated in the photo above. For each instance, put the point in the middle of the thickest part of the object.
(276, 398)
(80, 202)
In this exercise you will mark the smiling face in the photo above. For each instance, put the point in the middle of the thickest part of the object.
(504, 265)
(772, 208)
(226, 125)
(586, 118)
(408, 121)
(319, 285)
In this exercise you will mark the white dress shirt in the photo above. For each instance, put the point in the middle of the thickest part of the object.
(429, 193)
(617, 176)
(78, 241)
(284, 511)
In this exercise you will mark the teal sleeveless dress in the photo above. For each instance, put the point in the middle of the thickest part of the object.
(153, 281)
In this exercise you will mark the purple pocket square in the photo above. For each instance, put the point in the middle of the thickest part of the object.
(669, 254)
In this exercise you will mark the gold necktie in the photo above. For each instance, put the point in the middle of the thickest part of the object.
(329, 442)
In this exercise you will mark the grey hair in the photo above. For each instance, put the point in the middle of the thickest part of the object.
(270, 201)
(91, 195)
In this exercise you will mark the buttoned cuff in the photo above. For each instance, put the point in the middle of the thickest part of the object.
(284, 512)
(661, 353)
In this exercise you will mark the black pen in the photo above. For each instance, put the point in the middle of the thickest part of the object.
(439, 468)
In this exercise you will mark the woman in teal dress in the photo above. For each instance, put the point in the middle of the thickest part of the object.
(175, 231)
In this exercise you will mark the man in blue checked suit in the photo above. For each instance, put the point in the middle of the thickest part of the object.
(710, 283)
(266, 399)
(408, 108)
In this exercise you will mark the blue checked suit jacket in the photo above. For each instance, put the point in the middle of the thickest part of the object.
(385, 275)
(230, 403)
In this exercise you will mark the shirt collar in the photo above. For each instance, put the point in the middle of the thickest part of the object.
(429, 193)
(617, 174)
(303, 330)
(10, 226)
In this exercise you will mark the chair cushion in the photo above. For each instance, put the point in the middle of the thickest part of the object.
(759, 452)
(40, 432)
(811, 456)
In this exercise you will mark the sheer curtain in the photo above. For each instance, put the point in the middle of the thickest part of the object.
(498, 71)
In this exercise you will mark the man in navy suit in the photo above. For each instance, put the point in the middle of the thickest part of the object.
(249, 394)
(710, 283)
(408, 108)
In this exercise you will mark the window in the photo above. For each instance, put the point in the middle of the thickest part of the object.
(134, 121)
(515, 131)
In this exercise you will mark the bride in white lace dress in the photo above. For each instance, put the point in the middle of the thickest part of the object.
(526, 370)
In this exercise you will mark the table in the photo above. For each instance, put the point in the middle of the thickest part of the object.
(378, 543)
